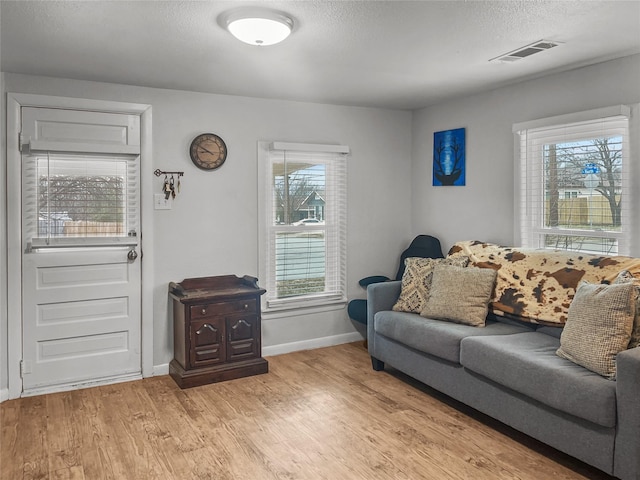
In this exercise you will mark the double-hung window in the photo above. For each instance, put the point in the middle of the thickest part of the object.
(302, 224)
(574, 185)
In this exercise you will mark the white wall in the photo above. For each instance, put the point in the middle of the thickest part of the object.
(212, 228)
(483, 209)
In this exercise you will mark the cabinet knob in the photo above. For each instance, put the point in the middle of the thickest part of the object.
(246, 306)
(204, 311)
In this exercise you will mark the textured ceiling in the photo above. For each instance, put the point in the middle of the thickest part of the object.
(392, 54)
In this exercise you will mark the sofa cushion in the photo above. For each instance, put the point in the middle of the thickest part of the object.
(416, 281)
(460, 295)
(599, 326)
(538, 285)
(536, 371)
(435, 337)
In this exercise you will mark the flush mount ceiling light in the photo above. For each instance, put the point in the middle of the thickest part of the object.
(258, 26)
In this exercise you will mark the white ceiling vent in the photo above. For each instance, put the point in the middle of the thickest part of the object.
(526, 51)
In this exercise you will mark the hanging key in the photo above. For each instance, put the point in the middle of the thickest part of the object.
(166, 189)
(172, 188)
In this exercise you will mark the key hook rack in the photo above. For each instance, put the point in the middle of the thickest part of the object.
(159, 172)
(169, 187)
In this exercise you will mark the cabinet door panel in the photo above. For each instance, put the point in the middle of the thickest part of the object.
(244, 337)
(207, 342)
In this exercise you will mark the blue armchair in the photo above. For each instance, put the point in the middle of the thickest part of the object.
(423, 246)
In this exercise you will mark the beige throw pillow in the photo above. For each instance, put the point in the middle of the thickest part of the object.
(416, 281)
(460, 295)
(626, 276)
(598, 326)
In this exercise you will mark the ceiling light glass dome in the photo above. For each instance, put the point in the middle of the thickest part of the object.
(259, 27)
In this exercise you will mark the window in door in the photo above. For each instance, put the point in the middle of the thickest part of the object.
(80, 199)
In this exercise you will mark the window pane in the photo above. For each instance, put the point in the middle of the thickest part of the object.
(583, 188)
(300, 263)
(299, 201)
(299, 194)
(77, 197)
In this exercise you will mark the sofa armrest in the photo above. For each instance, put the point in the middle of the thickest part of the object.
(627, 448)
(380, 297)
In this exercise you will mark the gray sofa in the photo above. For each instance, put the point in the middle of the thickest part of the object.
(509, 370)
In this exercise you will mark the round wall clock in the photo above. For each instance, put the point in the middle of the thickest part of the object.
(208, 151)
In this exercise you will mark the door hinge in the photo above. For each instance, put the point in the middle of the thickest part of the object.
(20, 140)
(25, 368)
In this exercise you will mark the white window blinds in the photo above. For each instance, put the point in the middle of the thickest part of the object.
(80, 199)
(575, 183)
(304, 224)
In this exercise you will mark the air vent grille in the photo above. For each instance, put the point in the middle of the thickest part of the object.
(526, 51)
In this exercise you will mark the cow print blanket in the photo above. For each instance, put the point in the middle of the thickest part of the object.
(537, 286)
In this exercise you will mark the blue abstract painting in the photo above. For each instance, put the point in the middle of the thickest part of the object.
(449, 158)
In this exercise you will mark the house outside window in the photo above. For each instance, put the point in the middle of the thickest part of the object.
(574, 182)
(302, 224)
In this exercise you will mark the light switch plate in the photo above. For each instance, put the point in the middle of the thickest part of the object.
(160, 203)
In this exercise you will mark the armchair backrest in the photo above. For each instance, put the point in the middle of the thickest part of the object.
(423, 246)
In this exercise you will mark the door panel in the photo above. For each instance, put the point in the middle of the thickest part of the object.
(207, 340)
(48, 129)
(242, 337)
(82, 326)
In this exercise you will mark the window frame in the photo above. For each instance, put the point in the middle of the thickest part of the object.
(334, 227)
(529, 216)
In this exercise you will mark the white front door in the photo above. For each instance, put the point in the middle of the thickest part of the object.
(81, 290)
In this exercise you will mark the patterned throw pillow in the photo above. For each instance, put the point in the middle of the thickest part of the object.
(598, 326)
(626, 276)
(416, 281)
(460, 295)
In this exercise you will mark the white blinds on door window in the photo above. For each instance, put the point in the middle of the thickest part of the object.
(80, 199)
(306, 224)
(575, 183)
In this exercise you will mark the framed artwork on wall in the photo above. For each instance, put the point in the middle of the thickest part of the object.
(449, 162)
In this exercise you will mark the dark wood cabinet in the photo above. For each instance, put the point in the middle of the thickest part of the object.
(216, 330)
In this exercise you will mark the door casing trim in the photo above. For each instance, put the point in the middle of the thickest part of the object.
(15, 101)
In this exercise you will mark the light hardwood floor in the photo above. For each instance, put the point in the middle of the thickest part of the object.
(318, 414)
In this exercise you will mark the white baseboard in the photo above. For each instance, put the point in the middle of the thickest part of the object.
(161, 370)
(311, 344)
(282, 348)
(4, 394)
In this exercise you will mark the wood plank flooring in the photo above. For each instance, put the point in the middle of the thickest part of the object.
(318, 414)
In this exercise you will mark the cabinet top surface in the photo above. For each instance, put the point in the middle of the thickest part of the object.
(194, 289)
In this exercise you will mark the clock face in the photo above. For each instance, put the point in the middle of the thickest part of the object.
(208, 151)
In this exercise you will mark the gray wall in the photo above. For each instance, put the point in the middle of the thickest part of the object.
(483, 209)
(212, 228)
